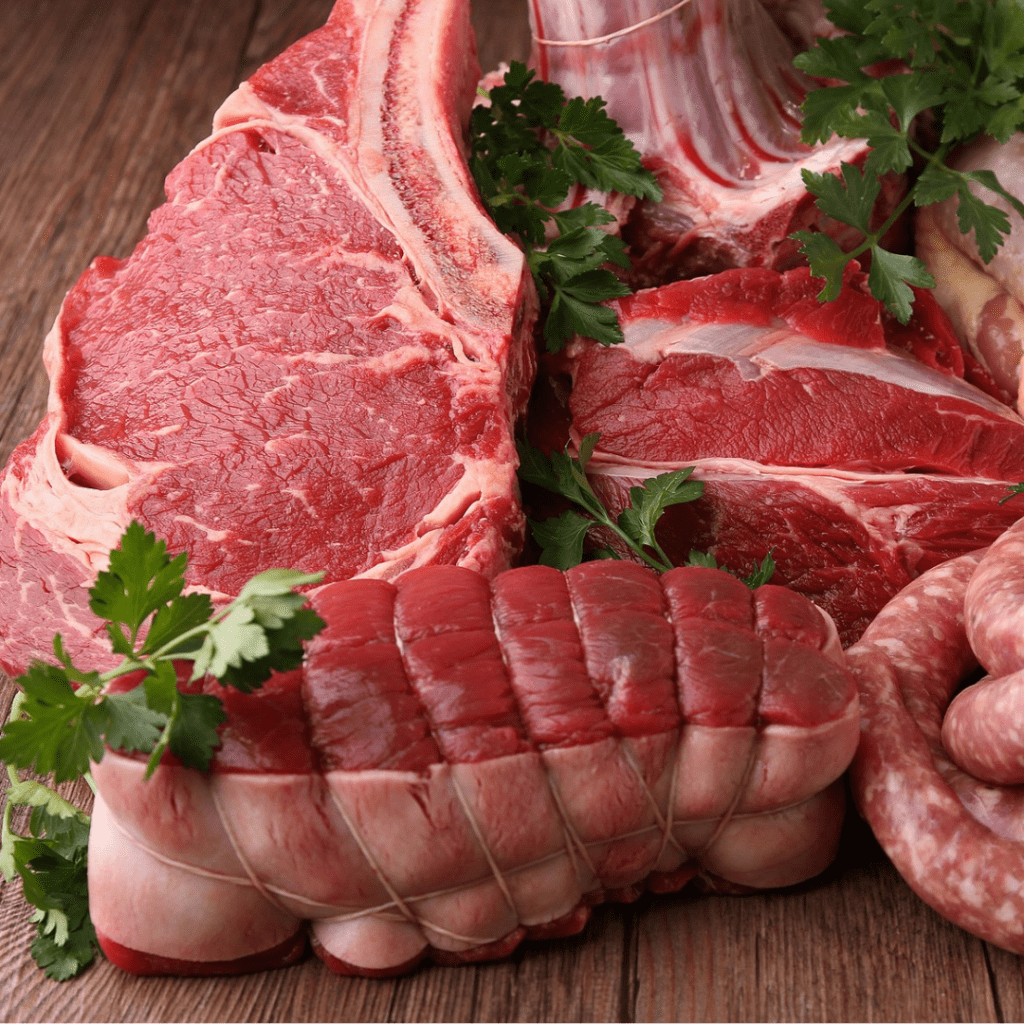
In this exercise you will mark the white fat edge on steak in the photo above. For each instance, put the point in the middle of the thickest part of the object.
(822, 478)
(478, 483)
(81, 520)
(756, 350)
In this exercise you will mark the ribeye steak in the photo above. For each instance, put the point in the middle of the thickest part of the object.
(313, 359)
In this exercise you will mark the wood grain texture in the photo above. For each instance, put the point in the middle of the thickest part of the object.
(97, 103)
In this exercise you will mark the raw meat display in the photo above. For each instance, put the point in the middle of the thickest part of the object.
(709, 95)
(956, 838)
(817, 433)
(319, 357)
(447, 786)
(984, 300)
(325, 341)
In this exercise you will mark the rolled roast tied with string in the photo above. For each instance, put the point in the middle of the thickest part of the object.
(462, 763)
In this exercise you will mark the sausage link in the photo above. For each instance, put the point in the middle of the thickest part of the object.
(923, 811)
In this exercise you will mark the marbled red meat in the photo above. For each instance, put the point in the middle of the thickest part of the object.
(448, 785)
(314, 358)
(849, 446)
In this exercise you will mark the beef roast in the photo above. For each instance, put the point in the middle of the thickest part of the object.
(820, 431)
(450, 783)
(313, 359)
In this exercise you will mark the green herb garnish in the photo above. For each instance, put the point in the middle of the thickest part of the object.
(965, 61)
(66, 718)
(760, 575)
(62, 718)
(529, 147)
(562, 538)
(1014, 490)
(51, 861)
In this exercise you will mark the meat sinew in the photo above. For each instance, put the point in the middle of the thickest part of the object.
(447, 787)
(313, 359)
(816, 431)
(709, 95)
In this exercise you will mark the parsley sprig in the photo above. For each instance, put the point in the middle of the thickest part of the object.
(63, 717)
(66, 717)
(965, 64)
(562, 538)
(529, 147)
(51, 861)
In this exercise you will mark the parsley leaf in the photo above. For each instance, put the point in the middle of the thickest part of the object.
(64, 717)
(649, 501)
(1014, 490)
(562, 538)
(140, 579)
(530, 145)
(52, 864)
(58, 729)
(757, 577)
(963, 60)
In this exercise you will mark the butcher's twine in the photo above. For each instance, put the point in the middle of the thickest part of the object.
(597, 40)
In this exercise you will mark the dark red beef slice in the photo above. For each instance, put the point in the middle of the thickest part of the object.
(627, 642)
(821, 539)
(444, 626)
(545, 661)
(672, 410)
(266, 730)
(801, 686)
(786, 614)
(443, 665)
(362, 709)
(695, 591)
(719, 673)
(718, 656)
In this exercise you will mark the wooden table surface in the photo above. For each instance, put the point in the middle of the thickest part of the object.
(98, 100)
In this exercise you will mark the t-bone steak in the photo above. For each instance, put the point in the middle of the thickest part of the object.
(314, 358)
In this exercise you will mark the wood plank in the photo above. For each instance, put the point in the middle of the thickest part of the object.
(572, 979)
(853, 944)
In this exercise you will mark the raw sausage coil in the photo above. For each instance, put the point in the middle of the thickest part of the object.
(957, 840)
